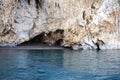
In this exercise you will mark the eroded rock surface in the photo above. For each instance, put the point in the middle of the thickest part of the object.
(91, 24)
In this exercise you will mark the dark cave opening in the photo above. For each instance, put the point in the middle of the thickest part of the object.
(46, 39)
(37, 40)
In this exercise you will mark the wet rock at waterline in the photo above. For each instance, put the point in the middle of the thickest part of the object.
(91, 23)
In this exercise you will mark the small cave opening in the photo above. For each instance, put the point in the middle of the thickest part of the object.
(37, 40)
(46, 39)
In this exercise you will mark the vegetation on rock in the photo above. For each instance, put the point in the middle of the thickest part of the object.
(119, 2)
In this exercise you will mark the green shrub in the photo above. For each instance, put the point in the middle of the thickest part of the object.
(119, 2)
(93, 6)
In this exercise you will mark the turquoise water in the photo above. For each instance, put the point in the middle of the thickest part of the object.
(59, 65)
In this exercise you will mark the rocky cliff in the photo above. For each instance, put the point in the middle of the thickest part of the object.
(82, 24)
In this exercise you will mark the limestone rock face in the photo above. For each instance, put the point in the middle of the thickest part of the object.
(91, 24)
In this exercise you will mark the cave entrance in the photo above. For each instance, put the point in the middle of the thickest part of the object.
(46, 39)
(37, 40)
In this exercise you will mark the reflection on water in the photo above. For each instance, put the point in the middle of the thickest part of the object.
(59, 65)
(103, 62)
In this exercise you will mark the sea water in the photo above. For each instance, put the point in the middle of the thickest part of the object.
(59, 65)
